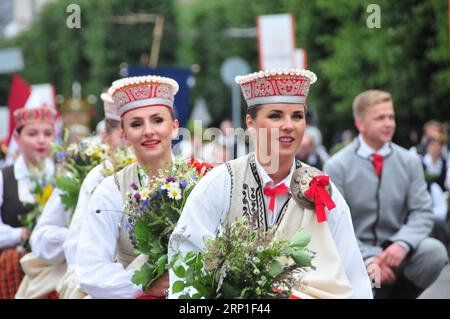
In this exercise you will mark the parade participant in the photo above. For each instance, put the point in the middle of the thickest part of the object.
(46, 265)
(385, 189)
(104, 248)
(34, 133)
(265, 186)
(69, 287)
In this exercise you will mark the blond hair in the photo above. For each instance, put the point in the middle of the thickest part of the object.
(366, 99)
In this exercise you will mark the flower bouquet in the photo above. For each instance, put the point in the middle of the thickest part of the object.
(41, 191)
(73, 164)
(153, 211)
(243, 263)
(120, 158)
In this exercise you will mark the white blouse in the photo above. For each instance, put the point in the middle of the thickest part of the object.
(209, 202)
(51, 230)
(92, 180)
(100, 275)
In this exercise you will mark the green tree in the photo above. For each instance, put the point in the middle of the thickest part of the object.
(93, 53)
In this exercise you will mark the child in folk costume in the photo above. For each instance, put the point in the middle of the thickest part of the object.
(45, 267)
(69, 287)
(34, 133)
(104, 248)
(270, 186)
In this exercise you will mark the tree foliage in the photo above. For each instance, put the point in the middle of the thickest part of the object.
(93, 53)
(408, 56)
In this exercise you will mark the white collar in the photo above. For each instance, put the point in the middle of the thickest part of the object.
(21, 170)
(366, 151)
(265, 178)
(428, 161)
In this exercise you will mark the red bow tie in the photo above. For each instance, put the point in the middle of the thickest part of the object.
(272, 192)
(377, 161)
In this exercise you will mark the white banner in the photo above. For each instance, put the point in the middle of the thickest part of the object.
(276, 41)
(300, 59)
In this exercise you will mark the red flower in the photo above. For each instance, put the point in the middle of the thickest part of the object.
(290, 296)
(201, 167)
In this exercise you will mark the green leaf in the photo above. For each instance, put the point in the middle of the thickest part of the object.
(178, 268)
(302, 258)
(172, 213)
(140, 230)
(229, 292)
(161, 265)
(177, 286)
(275, 269)
(300, 239)
(142, 276)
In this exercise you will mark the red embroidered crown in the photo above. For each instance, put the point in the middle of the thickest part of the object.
(25, 116)
(276, 86)
(142, 91)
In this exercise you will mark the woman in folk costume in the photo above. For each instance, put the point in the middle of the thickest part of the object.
(69, 286)
(46, 265)
(34, 133)
(104, 248)
(269, 186)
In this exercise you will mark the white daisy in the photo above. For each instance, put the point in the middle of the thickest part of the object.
(175, 193)
(89, 152)
(144, 194)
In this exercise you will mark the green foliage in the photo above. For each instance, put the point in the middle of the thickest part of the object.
(242, 263)
(71, 187)
(92, 54)
(408, 56)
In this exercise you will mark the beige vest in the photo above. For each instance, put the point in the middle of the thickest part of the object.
(125, 249)
(329, 279)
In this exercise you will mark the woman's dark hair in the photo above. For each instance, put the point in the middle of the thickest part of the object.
(19, 130)
(253, 111)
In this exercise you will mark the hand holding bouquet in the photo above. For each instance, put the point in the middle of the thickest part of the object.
(243, 263)
(153, 211)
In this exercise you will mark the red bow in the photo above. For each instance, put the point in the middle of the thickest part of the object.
(377, 161)
(319, 194)
(291, 296)
(202, 168)
(53, 295)
(272, 192)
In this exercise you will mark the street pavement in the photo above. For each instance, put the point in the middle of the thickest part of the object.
(440, 289)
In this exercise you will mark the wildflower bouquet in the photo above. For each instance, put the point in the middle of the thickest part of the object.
(41, 191)
(243, 263)
(120, 158)
(153, 212)
(73, 164)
